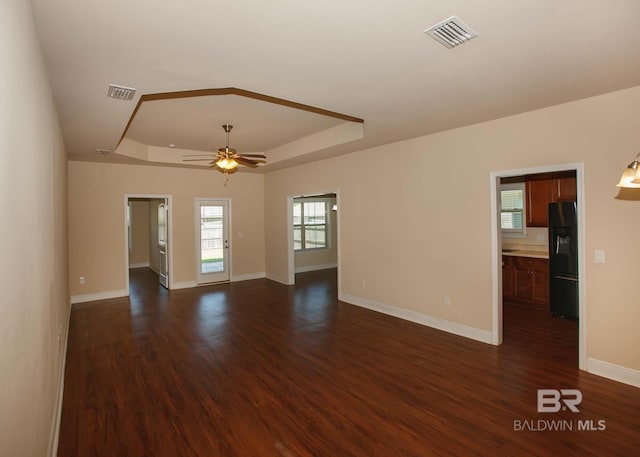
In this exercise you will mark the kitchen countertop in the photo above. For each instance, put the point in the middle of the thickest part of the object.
(525, 253)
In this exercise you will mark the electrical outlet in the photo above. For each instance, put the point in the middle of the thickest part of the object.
(83, 279)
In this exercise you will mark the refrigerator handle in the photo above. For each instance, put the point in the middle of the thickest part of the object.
(568, 278)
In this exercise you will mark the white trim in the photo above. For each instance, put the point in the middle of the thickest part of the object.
(473, 333)
(280, 279)
(496, 273)
(83, 298)
(324, 266)
(184, 285)
(496, 255)
(54, 436)
(140, 265)
(338, 216)
(248, 276)
(291, 262)
(615, 372)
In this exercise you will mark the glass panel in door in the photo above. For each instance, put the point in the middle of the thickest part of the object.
(212, 241)
(163, 248)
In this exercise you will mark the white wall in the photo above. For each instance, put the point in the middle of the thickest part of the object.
(34, 296)
(412, 234)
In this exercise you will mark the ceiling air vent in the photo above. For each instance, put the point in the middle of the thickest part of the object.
(121, 92)
(451, 32)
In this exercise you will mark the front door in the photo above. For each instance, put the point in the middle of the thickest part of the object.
(212, 241)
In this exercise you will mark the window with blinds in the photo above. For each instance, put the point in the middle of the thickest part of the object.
(512, 212)
(310, 224)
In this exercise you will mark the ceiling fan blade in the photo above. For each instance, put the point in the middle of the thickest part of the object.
(259, 156)
(200, 155)
(247, 162)
(196, 160)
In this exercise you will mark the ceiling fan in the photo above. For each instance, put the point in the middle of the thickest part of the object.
(227, 159)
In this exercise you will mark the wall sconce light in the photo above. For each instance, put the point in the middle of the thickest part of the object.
(631, 175)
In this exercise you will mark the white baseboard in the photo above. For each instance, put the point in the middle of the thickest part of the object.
(183, 285)
(54, 436)
(307, 268)
(154, 269)
(424, 319)
(98, 296)
(248, 277)
(615, 372)
(281, 279)
(139, 265)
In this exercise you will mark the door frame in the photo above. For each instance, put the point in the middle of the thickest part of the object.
(196, 235)
(496, 255)
(291, 268)
(169, 200)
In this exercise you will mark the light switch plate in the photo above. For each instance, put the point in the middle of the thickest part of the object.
(598, 256)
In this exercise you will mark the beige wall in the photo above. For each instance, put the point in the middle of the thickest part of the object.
(421, 230)
(96, 220)
(321, 258)
(34, 297)
(140, 239)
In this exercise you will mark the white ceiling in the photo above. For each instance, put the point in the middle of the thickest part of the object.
(360, 58)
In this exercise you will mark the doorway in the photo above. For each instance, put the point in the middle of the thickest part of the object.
(313, 233)
(213, 256)
(148, 235)
(498, 268)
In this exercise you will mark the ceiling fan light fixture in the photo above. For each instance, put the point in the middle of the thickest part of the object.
(227, 160)
(226, 163)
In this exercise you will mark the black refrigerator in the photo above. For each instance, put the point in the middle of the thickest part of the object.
(563, 259)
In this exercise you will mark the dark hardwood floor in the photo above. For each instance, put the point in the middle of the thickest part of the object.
(261, 369)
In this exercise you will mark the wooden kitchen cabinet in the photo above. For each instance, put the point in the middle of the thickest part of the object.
(525, 280)
(543, 189)
(508, 277)
(564, 188)
(539, 194)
